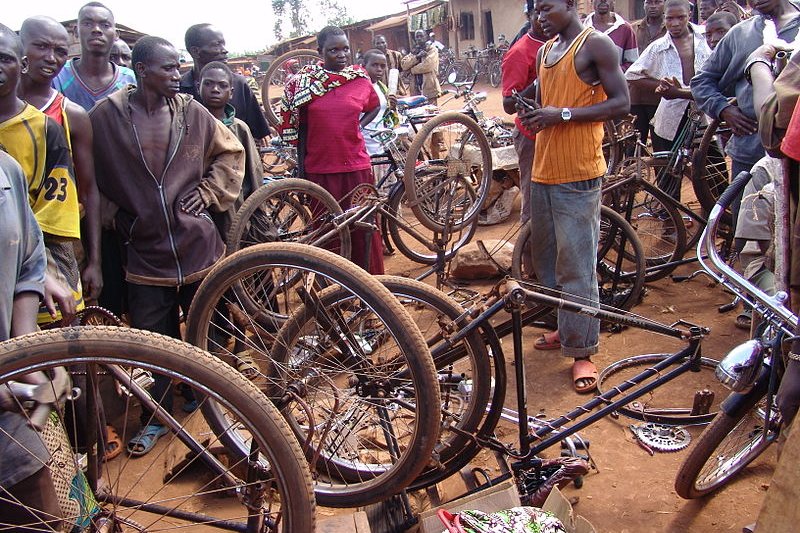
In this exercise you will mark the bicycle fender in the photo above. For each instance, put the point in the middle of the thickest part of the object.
(738, 402)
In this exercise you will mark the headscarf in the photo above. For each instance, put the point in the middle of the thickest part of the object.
(313, 81)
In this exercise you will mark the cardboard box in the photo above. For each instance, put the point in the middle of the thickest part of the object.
(505, 496)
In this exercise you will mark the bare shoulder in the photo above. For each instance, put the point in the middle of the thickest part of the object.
(599, 50)
(599, 43)
(76, 114)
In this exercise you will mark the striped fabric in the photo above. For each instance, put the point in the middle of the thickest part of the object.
(571, 151)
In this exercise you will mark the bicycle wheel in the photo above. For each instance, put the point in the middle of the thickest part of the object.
(620, 270)
(462, 70)
(275, 78)
(209, 487)
(346, 364)
(655, 220)
(726, 447)
(415, 249)
(463, 369)
(495, 74)
(289, 210)
(660, 171)
(710, 175)
(447, 172)
(672, 402)
(620, 262)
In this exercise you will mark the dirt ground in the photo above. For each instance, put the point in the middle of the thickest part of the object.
(630, 491)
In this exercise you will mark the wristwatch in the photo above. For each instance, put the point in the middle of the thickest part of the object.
(566, 114)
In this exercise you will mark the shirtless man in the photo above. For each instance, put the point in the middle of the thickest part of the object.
(578, 66)
(665, 69)
(46, 43)
(121, 54)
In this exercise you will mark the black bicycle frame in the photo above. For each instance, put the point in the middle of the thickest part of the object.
(533, 442)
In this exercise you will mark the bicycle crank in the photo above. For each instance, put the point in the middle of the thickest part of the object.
(661, 438)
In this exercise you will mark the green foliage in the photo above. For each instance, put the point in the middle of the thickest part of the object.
(308, 16)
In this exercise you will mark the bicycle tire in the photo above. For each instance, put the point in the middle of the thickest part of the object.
(371, 324)
(439, 200)
(495, 74)
(289, 210)
(655, 220)
(112, 347)
(669, 413)
(406, 243)
(710, 175)
(612, 149)
(720, 444)
(659, 170)
(270, 91)
(620, 284)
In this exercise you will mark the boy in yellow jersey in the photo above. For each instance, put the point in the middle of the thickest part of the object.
(45, 44)
(580, 86)
(40, 147)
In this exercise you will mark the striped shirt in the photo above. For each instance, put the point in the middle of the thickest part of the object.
(570, 151)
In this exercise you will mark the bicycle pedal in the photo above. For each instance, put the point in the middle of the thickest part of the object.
(143, 378)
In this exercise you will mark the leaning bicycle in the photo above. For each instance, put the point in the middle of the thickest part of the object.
(749, 420)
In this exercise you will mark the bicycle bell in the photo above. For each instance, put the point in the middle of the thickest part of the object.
(739, 369)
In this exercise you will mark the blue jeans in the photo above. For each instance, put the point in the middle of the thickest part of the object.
(565, 227)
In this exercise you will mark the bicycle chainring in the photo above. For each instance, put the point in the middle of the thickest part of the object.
(361, 195)
(662, 438)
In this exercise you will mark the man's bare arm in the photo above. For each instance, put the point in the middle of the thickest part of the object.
(83, 159)
(617, 105)
(618, 102)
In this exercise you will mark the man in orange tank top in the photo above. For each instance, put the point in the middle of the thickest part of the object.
(580, 86)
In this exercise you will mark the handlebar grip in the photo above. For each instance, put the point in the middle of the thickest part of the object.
(734, 189)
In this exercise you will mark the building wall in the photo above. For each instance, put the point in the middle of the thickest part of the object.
(508, 18)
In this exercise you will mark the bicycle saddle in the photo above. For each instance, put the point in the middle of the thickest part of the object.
(408, 102)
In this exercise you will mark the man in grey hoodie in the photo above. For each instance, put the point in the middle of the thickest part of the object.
(723, 76)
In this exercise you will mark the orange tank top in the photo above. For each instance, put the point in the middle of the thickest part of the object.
(571, 151)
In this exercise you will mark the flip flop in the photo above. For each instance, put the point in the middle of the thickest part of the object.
(246, 365)
(144, 441)
(744, 320)
(548, 341)
(584, 369)
(113, 443)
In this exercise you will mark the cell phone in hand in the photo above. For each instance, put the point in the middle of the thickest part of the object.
(522, 102)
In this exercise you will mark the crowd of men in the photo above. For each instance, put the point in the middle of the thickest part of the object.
(132, 170)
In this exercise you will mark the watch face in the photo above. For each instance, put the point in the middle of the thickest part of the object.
(566, 114)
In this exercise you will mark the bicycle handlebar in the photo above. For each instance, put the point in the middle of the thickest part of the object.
(773, 307)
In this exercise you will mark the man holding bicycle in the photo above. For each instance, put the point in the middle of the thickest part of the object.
(579, 88)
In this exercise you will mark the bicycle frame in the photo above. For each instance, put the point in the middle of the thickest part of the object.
(533, 442)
